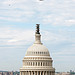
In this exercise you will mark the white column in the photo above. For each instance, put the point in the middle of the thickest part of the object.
(31, 73)
(43, 72)
(40, 72)
(34, 73)
(37, 72)
(25, 73)
(28, 72)
(20, 73)
(52, 72)
(46, 72)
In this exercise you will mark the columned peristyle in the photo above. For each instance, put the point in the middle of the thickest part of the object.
(37, 73)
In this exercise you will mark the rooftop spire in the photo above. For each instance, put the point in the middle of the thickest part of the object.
(37, 29)
(37, 35)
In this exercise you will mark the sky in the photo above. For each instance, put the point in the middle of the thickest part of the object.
(18, 19)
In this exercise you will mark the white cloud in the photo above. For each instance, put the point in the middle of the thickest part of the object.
(58, 37)
(16, 11)
(70, 22)
(11, 36)
(8, 36)
(66, 52)
(47, 11)
(14, 1)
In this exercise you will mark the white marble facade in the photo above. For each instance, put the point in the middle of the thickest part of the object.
(37, 60)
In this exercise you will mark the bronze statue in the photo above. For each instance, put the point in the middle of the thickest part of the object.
(37, 29)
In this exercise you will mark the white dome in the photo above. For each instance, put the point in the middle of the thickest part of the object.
(37, 50)
(37, 47)
(37, 60)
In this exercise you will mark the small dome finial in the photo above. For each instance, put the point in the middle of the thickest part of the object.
(37, 29)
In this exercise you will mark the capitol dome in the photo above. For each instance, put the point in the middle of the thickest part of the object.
(37, 50)
(37, 60)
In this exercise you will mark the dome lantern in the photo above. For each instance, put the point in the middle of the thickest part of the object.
(37, 35)
(37, 29)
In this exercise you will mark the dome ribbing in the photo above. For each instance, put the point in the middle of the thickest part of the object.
(37, 50)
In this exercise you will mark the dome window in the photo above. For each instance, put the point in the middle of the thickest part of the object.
(36, 52)
(36, 63)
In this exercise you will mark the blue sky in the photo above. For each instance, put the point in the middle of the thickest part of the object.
(17, 29)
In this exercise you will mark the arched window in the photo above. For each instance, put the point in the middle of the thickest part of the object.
(46, 63)
(46, 52)
(36, 52)
(29, 63)
(41, 63)
(36, 63)
(32, 52)
(33, 63)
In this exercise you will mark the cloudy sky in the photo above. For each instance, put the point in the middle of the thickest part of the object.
(17, 29)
